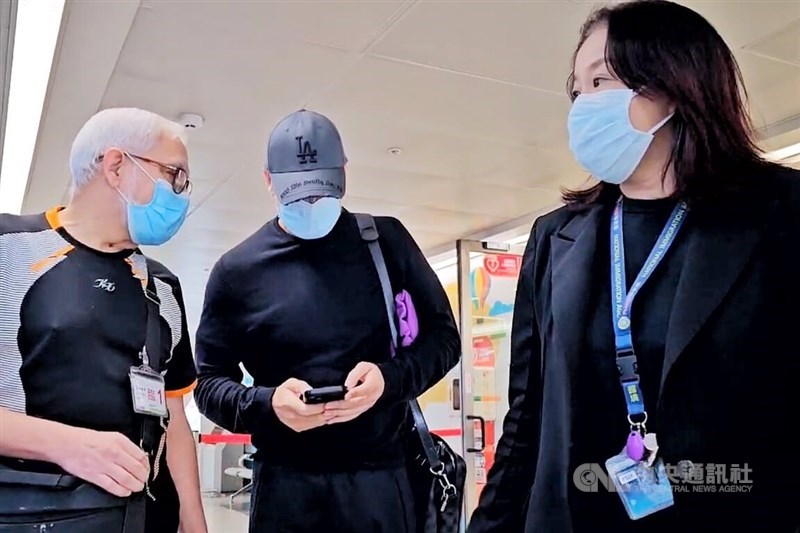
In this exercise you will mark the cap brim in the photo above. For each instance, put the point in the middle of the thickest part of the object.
(292, 186)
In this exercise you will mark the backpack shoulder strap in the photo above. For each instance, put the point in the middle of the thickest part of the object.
(369, 233)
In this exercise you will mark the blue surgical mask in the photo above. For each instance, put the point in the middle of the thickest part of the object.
(159, 220)
(310, 220)
(602, 138)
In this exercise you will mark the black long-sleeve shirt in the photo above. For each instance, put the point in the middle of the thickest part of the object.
(599, 424)
(728, 366)
(311, 310)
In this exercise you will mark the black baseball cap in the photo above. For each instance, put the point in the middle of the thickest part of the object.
(305, 158)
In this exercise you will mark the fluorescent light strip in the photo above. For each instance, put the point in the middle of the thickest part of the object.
(445, 263)
(784, 153)
(521, 239)
(35, 37)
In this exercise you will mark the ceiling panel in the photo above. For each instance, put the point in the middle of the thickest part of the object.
(761, 73)
(446, 103)
(238, 95)
(741, 22)
(535, 167)
(778, 102)
(210, 162)
(443, 193)
(519, 42)
(773, 88)
(450, 223)
(379, 207)
(336, 23)
(229, 218)
(424, 150)
(783, 45)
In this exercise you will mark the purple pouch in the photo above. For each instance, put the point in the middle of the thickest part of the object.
(407, 323)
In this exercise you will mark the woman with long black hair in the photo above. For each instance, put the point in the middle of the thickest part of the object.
(655, 360)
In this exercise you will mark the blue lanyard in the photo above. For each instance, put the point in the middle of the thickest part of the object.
(622, 300)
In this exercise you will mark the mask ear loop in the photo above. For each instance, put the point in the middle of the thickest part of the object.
(127, 202)
(140, 167)
(661, 123)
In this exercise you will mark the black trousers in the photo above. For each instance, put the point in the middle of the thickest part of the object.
(163, 514)
(120, 518)
(366, 501)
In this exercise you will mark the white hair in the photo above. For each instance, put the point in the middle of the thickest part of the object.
(130, 129)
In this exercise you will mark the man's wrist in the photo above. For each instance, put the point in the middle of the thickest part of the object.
(58, 445)
(27, 437)
(264, 397)
(391, 382)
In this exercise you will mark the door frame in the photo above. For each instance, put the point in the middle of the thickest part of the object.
(464, 250)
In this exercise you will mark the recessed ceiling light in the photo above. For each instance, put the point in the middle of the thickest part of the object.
(395, 151)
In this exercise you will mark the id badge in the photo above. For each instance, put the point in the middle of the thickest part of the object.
(644, 490)
(147, 388)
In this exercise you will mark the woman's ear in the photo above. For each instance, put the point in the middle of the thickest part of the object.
(672, 107)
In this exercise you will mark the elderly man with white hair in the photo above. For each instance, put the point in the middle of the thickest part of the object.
(95, 356)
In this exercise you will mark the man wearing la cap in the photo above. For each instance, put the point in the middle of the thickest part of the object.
(299, 304)
(300, 171)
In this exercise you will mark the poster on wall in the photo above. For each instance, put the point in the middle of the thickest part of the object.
(483, 354)
(503, 265)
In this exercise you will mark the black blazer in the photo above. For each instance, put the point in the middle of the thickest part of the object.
(729, 389)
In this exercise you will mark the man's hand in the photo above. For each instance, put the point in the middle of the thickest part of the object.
(364, 387)
(291, 410)
(109, 460)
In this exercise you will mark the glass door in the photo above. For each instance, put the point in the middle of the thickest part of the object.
(487, 283)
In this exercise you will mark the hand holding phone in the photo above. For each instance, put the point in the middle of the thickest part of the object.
(293, 412)
(365, 386)
(324, 395)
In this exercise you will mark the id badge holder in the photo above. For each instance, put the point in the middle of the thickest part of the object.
(644, 489)
(147, 389)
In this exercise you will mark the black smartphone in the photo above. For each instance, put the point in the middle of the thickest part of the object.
(324, 395)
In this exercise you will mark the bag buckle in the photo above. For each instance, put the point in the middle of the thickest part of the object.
(448, 489)
(449, 492)
(438, 471)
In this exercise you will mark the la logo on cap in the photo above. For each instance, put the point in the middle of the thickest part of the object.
(304, 151)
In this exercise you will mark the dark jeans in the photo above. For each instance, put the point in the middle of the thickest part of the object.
(366, 501)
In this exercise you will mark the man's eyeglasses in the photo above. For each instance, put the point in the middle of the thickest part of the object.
(177, 176)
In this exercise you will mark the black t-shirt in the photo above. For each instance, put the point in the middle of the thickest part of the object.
(312, 310)
(600, 427)
(73, 322)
